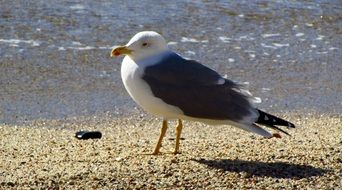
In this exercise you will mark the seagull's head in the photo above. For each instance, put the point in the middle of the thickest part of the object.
(142, 45)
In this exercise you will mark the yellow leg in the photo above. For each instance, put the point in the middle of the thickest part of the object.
(162, 134)
(178, 135)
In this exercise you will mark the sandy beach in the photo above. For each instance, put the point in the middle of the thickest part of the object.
(57, 77)
(46, 155)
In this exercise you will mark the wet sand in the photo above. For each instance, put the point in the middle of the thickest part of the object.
(45, 154)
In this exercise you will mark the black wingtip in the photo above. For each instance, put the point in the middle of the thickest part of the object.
(291, 125)
(271, 121)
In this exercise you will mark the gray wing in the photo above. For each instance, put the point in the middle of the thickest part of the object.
(196, 89)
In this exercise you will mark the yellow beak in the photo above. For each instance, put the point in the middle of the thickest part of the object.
(120, 50)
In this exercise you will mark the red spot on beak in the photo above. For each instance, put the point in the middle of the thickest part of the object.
(120, 50)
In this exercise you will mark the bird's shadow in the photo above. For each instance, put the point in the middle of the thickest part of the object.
(265, 169)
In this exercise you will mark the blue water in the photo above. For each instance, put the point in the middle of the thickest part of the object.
(55, 64)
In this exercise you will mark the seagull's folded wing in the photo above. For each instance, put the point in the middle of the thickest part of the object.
(197, 90)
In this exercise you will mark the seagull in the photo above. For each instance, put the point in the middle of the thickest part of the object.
(169, 86)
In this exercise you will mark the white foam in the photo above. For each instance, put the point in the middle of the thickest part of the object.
(270, 35)
(249, 51)
(231, 60)
(172, 43)
(82, 48)
(320, 37)
(77, 7)
(313, 45)
(76, 43)
(300, 34)
(192, 40)
(245, 37)
(322, 52)
(265, 89)
(15, 42)
(281, 45)
(333, 48)
(34, 43)
(268, 46)
(104, 74)
(104, 47)
(225, 39)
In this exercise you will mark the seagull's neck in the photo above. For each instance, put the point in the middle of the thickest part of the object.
(151, 59)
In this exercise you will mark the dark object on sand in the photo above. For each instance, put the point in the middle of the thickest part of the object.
(88, 135)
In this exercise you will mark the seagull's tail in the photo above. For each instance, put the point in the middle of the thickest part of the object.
(271, 121)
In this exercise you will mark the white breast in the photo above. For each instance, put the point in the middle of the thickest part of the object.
(138, 89)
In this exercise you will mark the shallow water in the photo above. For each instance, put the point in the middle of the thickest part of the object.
(55, 64)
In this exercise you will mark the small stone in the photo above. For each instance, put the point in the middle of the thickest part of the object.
(88, 135)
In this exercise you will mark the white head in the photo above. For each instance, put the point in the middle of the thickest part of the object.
(142, 45)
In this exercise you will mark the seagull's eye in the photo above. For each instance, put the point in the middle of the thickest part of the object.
(144, 44)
